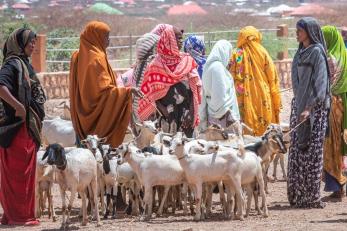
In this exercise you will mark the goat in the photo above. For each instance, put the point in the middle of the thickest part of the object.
(59, 131)
(209, 168)
(76, 170)
(151, 171)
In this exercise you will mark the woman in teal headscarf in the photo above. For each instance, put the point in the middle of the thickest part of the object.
(335, 147)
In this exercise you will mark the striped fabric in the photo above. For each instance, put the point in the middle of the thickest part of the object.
(159, 29)
(169, 67)
(145, 48)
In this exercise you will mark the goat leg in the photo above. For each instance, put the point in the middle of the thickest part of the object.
(84, 208)
(166, 191)
(282, 166)
(108, 201)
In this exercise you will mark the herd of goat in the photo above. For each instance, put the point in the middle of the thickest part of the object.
(157, 170)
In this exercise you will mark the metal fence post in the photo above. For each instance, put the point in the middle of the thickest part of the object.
(209, 40)
(283, 33)
(39, 54)
(131, 49)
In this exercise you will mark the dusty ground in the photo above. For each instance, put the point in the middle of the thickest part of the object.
(282, 217)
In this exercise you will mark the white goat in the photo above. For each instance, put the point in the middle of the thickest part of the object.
(66, 107)
(152, 170)
(58, 131)
(199, 169)
(76, 170)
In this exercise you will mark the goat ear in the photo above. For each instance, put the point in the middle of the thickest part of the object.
(103, 140)
(84, 142)
(45, 155)
(201, 144)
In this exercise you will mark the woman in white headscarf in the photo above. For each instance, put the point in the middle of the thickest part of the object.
(219, 102)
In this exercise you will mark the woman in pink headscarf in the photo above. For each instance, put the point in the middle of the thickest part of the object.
(172, 85)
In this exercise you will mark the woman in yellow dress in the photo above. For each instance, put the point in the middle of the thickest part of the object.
(256, 81)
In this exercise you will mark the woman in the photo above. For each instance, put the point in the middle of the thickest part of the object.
(98, 105)
(171, 84)
(335, 148)
(22, 99)
(195, 46)
(145, 49)
(310, 105)
(256, 82)
(219, 102)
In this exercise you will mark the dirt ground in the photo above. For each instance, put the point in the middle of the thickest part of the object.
(282, 217)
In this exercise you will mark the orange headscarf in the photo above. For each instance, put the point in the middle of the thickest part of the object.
(98, 106)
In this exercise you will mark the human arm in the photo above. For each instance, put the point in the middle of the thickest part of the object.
(13, 102)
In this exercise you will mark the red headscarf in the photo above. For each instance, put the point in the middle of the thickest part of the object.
(169, 67)
(159, 29)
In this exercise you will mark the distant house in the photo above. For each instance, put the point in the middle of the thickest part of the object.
(311, 10)
(188, 8)
(20, 6)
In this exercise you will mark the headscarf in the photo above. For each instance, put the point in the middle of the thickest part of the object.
(336, 48)
(218, 82)
(314, 32)
(98, 105)
(30, 92)
(195, 46)
(256, 81)
(145, 48)
(168, 68)
(159, 29)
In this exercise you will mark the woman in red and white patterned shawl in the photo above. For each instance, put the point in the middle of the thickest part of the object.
(172, 85)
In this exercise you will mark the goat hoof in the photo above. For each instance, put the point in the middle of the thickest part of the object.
(98, 224)
(113, 217)
(54, 218)
(197, 218)
(145, 218)
(241, 218)
(84, 223)
(266, 214)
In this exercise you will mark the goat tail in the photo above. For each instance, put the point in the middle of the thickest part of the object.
(242, 149)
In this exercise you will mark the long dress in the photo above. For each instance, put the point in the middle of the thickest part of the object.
(310, 81)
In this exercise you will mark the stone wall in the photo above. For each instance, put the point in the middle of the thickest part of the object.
(56, 84)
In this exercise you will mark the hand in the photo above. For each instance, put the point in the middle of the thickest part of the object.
(229, 119)
(137, 92)
(20, 111)
(304, 115)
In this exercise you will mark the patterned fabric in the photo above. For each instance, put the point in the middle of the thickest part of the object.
(168, 68)
(159, 29)
(145, 49)
(256, 81)
(305, 167)
(195, 46)
(333, 159)
(338, 71)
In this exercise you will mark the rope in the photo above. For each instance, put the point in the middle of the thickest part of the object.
(296, 127)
